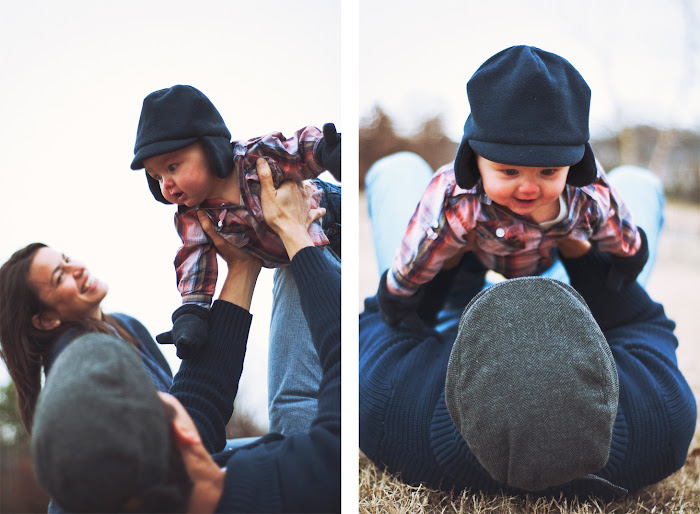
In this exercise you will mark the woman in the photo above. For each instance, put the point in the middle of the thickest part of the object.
(48, 299)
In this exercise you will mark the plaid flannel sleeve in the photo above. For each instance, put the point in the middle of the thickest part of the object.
(290, 158)
(436, 232)
(195, 262)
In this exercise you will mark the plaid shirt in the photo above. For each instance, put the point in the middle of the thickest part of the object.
(244, 224)
(507, 243)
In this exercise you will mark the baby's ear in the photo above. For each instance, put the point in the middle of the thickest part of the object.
(46, 321)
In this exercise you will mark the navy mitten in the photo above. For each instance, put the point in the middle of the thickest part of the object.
(327, 151)
(190, 330)
(397, 309)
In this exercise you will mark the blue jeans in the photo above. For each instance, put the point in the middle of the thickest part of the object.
(330, 222)
(395, 184)
(293, 370)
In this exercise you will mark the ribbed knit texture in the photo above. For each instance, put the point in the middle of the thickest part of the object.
(300, 473)
(405, 426)
(207, 384)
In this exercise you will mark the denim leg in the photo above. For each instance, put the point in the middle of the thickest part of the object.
(393, 186)
(238, 442)
(643, 194)
(331, 221)
(294, 370)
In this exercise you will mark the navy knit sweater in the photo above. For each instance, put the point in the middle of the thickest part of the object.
(300, 473)
(405, 426)
(152, 358)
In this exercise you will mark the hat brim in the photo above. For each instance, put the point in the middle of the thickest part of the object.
(583, 169)
(529, 155)
(159, 148)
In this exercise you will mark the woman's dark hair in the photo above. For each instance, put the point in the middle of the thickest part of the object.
(24, 348)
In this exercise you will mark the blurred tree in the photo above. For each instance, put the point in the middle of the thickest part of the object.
(12, 432)
(378, 139)
(19, 491)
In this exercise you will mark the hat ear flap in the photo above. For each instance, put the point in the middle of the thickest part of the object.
(220, 153)
(466, 170)
(155, 189)
(584, 172)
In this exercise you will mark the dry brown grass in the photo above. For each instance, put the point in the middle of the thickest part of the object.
(381, 492)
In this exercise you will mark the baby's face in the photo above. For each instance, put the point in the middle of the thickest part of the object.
(184, 175)
(525, 190)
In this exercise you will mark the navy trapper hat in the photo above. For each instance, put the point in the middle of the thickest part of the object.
(174, 118)
(528, 108)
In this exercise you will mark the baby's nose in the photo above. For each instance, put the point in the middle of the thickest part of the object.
(528, 186)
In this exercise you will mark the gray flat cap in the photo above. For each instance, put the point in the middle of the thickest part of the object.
(532, 385)
(100, 433)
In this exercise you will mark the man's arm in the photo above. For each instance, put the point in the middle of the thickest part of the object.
(300, 473)
(208, 383)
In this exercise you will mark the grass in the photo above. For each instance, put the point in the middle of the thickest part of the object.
(381, 492)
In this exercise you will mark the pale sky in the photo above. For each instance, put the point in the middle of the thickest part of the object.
(641, 58)
(75, 74)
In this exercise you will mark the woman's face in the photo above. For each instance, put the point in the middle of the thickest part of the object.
(66, 287)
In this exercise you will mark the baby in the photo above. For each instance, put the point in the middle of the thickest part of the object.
(186, 150)
(524, 178)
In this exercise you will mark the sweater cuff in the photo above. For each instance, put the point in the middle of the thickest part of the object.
(308, 262)
(229, 316)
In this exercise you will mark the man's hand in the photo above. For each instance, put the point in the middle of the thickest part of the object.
(287, 210)
(243, 268)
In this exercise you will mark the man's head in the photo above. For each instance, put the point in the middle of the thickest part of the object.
(175, 118)
(528, 108)
(531, 384)
(103, 439)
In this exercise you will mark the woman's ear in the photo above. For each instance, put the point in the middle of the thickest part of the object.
(46, 321)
